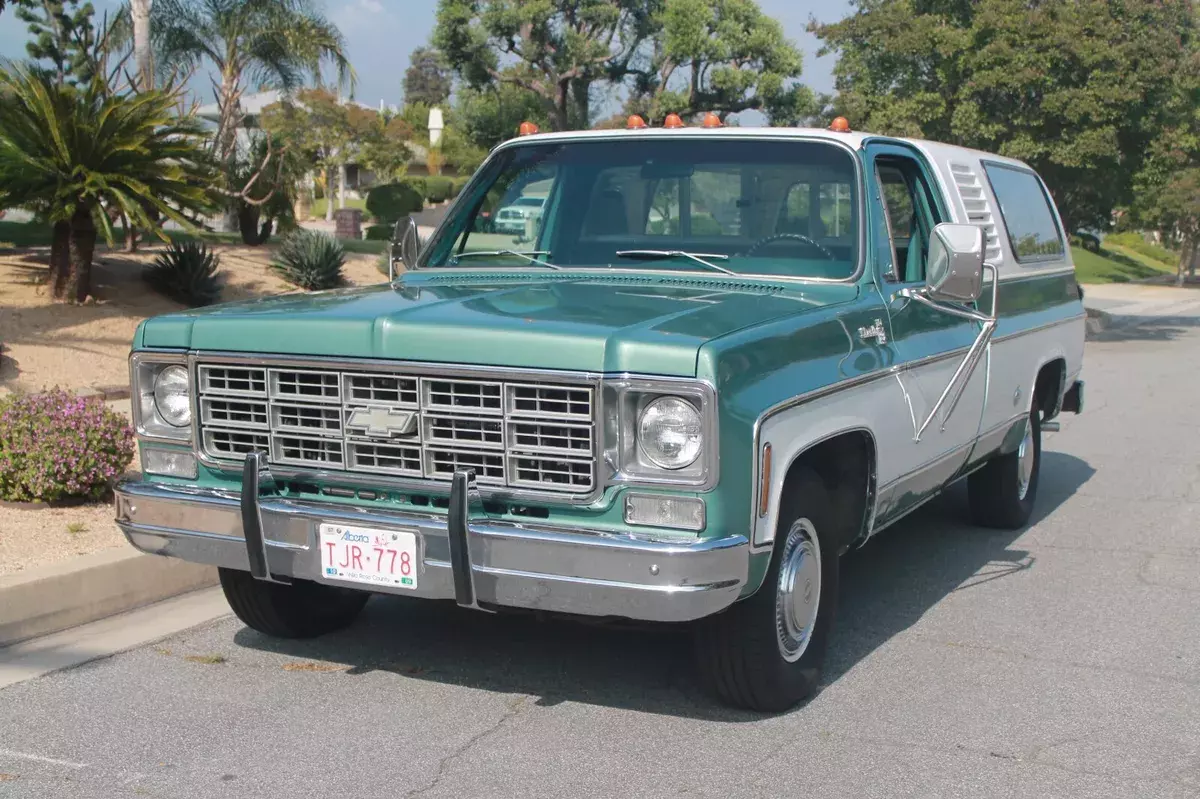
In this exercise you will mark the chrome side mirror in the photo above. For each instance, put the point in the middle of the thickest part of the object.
(955, 271)
(406, 245)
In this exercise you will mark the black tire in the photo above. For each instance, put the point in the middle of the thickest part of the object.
(739, 652)
(302, 609)
(995, 491)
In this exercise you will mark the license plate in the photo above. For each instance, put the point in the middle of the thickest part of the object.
(365, 555)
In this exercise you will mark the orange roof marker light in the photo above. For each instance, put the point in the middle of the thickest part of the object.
(635, 122)
(527, 129)
(711, 120)
(840, 125)
(672, 121)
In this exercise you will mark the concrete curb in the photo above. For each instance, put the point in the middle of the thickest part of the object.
(85, 589)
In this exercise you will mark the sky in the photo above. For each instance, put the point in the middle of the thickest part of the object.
(381, 34)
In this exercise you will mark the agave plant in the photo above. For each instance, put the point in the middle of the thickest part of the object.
(311, 260)
(82, 153)
(186, 272)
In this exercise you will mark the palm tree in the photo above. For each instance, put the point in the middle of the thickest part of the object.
(268, 43)
(78, 154)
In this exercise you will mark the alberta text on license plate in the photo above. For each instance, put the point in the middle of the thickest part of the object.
(365, 555)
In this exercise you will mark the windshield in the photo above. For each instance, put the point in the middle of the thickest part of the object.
(787, 208)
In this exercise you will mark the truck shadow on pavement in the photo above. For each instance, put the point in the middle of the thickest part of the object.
(887, 586)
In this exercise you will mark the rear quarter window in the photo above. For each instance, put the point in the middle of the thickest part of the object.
(1028, 217)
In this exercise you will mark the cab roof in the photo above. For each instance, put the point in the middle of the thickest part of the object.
(853, 139)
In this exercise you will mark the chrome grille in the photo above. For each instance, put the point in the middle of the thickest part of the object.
(527, 435)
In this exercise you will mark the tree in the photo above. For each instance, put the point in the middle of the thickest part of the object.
(384, 146)
(139, 11)
(561, 47)
(61, 33)
(427, 80)
(1174, 209)
(79, 153)
(492, 115)
(321, 127)
(719, 56)
(270, 44)
(1080, 89)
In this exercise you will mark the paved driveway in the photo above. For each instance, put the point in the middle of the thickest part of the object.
(1063, 660)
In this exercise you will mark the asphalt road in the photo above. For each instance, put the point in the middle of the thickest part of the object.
(1060, 661)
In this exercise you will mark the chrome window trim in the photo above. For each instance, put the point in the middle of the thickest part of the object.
(859, 180)
(167, 357)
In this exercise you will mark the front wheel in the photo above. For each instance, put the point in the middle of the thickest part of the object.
(1002, 493)
(301, 609)
(765, 653)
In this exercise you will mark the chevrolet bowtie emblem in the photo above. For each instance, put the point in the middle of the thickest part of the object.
(383, 422)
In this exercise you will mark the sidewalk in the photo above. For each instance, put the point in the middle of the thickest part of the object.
(1127, 311)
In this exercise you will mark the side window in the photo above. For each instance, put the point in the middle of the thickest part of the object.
(911, 215)
(1032, 231)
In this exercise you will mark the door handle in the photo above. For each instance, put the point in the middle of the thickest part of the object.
(960, 378)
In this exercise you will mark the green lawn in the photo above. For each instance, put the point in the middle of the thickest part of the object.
(1116, 265)
(318, 206)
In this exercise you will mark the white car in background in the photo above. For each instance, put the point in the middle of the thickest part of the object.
(511, 218)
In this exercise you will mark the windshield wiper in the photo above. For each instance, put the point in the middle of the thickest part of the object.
(702, 258)
(526, 254)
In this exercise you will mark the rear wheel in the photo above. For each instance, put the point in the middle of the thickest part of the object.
(1003, 492)
(302, 609)
(765, 652)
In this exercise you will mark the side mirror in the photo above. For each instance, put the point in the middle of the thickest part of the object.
(406, 245)
(955, 271)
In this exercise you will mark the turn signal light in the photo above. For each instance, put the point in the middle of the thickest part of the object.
(712, 121)
(764, 482)
(635, 122)
(840, 125)
(672, 121)
(527, 129)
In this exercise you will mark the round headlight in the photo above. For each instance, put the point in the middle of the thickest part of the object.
(171, 396)
(670, 433)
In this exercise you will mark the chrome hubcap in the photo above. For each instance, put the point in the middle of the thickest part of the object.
(1025, 454)
(798, 595)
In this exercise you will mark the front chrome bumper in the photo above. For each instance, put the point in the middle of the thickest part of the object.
(503, 564)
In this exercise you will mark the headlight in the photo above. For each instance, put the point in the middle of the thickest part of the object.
(162, 404)
(670, 433)
(171, 398)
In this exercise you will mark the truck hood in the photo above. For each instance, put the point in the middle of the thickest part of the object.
(603, 323)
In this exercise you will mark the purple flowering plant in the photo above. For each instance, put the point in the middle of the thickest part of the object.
(58, 445)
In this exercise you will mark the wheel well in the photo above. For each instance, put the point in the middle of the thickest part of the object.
(1048, 388)
(846, 465)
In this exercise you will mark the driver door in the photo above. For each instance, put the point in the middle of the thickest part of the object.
(931, 343)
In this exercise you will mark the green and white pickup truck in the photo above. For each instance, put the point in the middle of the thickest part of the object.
(721, 358)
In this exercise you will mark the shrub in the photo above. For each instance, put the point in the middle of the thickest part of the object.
(57, 446)
(391, 201)
(380, 232)
(1087, 241)
(457, 185)
(186, 272)
(311, 260)
(437, 188)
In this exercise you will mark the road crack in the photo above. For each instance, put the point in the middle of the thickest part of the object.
(515, 708)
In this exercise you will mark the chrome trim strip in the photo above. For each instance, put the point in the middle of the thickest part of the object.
(860, 380)
(1039, 328)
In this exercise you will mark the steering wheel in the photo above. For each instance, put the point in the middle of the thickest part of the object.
(766, 241)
